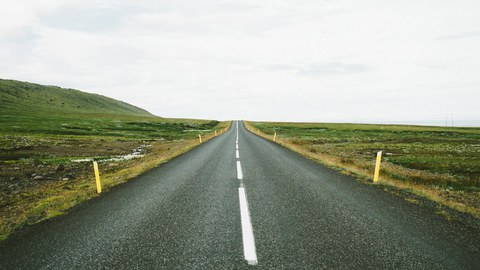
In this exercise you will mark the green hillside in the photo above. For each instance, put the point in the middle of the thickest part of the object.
(16, 96)
(50, 135)
(33, 109)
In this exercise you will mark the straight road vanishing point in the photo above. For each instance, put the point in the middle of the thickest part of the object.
(240, 201)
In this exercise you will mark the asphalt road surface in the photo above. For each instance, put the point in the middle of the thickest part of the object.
(262, 206)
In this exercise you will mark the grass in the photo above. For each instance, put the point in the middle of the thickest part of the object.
(44, 129)
(438, 163)
(30, 97)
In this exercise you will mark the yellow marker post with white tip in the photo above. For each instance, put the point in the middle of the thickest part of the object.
(97, 177)
(377, 166)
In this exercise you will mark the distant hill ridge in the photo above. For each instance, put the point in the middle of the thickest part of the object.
(24, 96)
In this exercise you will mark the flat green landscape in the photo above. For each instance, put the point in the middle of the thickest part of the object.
(441, 163)
(50, 135)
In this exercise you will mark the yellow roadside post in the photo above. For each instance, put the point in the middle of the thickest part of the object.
(215, 133)
(97, 177)
(258, 131)
(377, 166)
(275, 137)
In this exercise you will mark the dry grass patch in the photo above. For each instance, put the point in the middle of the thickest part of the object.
(437, 163)
(49, 183)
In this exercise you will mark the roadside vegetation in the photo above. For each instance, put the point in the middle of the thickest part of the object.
(49, 137)
(437, 163)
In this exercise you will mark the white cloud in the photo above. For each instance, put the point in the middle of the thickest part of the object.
(274, 60)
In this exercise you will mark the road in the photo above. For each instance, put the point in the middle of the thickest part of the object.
(262, 206)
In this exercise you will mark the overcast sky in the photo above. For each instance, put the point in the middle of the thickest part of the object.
(329, 61)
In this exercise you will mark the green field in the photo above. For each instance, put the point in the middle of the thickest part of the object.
(441, 163)
(28, 108)
(35, 118)
(50, 135)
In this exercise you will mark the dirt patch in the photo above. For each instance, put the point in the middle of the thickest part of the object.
(18, 148)
(50, 159)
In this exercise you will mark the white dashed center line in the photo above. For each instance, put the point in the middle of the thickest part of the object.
(239, 171)
(249, 251)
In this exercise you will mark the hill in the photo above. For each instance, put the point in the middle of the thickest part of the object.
(50, 135)
(16, 96)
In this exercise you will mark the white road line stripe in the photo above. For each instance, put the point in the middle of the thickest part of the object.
(249, 250)
(236, 146)
(237, 131)
(237, 154)
(239, 171)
